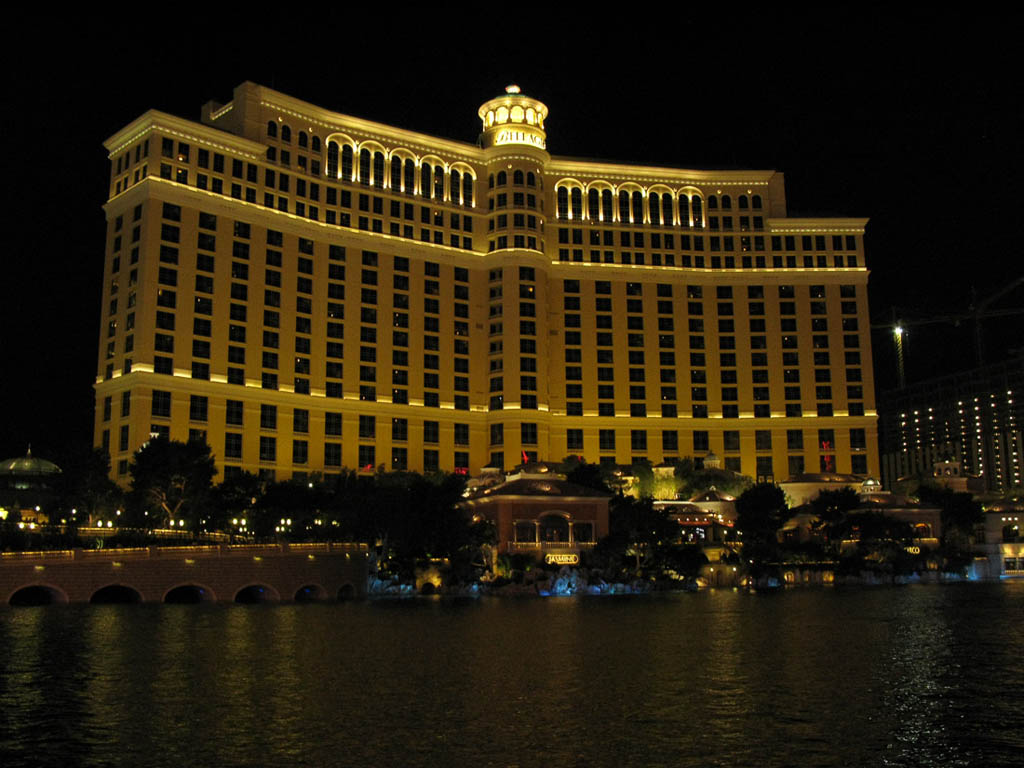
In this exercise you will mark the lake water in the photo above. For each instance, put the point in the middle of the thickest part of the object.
(915, 676)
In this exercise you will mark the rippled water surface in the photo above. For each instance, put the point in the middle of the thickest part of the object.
(919, 676)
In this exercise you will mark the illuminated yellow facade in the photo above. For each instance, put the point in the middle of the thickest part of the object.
(310, 291)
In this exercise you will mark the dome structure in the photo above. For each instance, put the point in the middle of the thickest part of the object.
(27, 467)
(26, 486)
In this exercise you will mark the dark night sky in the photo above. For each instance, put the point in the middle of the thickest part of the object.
(912, 123)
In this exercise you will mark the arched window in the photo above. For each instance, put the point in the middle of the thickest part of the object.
(593, 205)
(346, 163)
(425, 176)
(316, 144)
(744, 203)
(378, 170)
(467, 189)
(654, 204)
(607, 212)
(517, 178)
(756, 200)
(624, 207)
(364, 166)
(666, 210)
(286, 133)
(712, 203)
(563, 203)
(490, 181)
(684, 211)
(531, 181)
(577, 203)
(410, 177)
(638, 207)
(272, 129)
(396, 173)
(455, 186)
(438, 182)
(726, 203)
(303, 139)
(502, 178)
(698, 212)
(332, 160)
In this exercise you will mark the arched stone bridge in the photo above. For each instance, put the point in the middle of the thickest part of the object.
(224, 573)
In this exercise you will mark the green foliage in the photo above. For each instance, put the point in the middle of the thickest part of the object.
(170, 481)
(638, 536)
(287, 508)
(831, 507)
(84, 485)
(693, 480)
(685, 561)
(960, 511)
(587, 475)
(760, 511)
(644, 482)
(235, 498)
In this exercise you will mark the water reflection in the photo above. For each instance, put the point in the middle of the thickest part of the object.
(806, 677)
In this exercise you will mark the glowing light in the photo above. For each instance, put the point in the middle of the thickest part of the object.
(562, 559)
(510, 136)
(513, 88)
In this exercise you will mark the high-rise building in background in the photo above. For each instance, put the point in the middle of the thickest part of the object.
(974, 418)
(309, 291)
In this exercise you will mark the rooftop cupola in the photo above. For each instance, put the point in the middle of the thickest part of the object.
(513, 119)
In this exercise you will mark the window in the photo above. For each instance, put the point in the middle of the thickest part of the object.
(232, 445)
(198, 408)
(332, 423)
(161, 404)
(638, 439)
(268, 416)
(574, 439)
(528, 433)
(268, 448)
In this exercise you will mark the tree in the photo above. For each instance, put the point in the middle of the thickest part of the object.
(960, 514)
(644, 475)
(960, 511)
(639, 532)
(693, 480)
(832, 509)
(286, 509)
(85, 485)
(761, 511)
(588, 475)
(235, 499)
(171, 481)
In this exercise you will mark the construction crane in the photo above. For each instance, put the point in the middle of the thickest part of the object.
(976, 311)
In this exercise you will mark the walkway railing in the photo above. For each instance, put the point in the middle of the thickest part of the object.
(542, 545)
(199, 550)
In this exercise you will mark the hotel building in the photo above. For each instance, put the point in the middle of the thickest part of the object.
(973, 418)
(310, 291)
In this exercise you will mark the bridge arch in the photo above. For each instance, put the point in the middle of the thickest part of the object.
(310, 593)
(116, 594)
(37, 594)
(257, 593)
(189, 592)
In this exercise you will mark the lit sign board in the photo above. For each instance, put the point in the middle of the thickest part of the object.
(913, 550)
(566, 559)
(512, 136)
